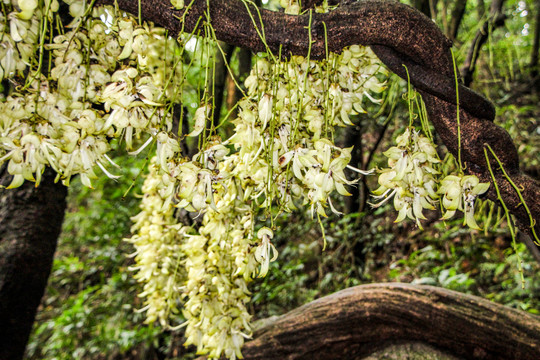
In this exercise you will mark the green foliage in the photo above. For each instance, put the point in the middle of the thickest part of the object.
(371, 248)
(470, 263)
(89, 308)
(306, 272)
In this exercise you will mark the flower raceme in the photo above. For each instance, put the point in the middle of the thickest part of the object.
(459, 193)
(281, 154)
(59, 117)
(411, 180)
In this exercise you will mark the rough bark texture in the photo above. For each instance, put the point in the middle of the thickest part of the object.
(409, 351)
(399, 35)
(30, 222)
(355, 322)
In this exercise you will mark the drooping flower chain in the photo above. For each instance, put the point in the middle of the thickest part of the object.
(411, 180)
(157, 241)
(280, 156)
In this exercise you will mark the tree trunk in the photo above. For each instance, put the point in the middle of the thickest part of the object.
(480, 8)
(217, 80)
(30, 222)
(457, 16)
(536, 42)
(496, 19)
(424, 6)
(358, 321)
(353, 138)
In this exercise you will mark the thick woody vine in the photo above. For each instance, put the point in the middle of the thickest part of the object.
(282, 155)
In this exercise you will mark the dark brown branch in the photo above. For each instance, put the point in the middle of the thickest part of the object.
(412, 39)
(354, 322)
(424, 6)
(375, 22)
(435, 84)
(480, 8)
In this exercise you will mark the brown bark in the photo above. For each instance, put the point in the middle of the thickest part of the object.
(353, 138)
(399, 35)
(480, 8)
(30, 222)
(355, 322)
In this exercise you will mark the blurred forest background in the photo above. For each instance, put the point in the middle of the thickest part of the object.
(90, 307)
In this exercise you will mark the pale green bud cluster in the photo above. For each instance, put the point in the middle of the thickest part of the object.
(178, 4)
(293, 7)
(157, 241)
(19, 33)
(412, 180)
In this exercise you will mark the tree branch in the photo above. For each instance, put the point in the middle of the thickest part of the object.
(353, 323)
(456, 17)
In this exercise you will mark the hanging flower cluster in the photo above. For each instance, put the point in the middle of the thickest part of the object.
(283, 155)
(411, 179)
(59, 122)
(158, 252)
(410, 176)
(219, 265)
(19, 33)
(285, 126)
(459, 193)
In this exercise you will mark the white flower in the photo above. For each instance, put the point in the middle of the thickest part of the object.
(265, 110)
(460, 193)
(266, 251)
(202, 115)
